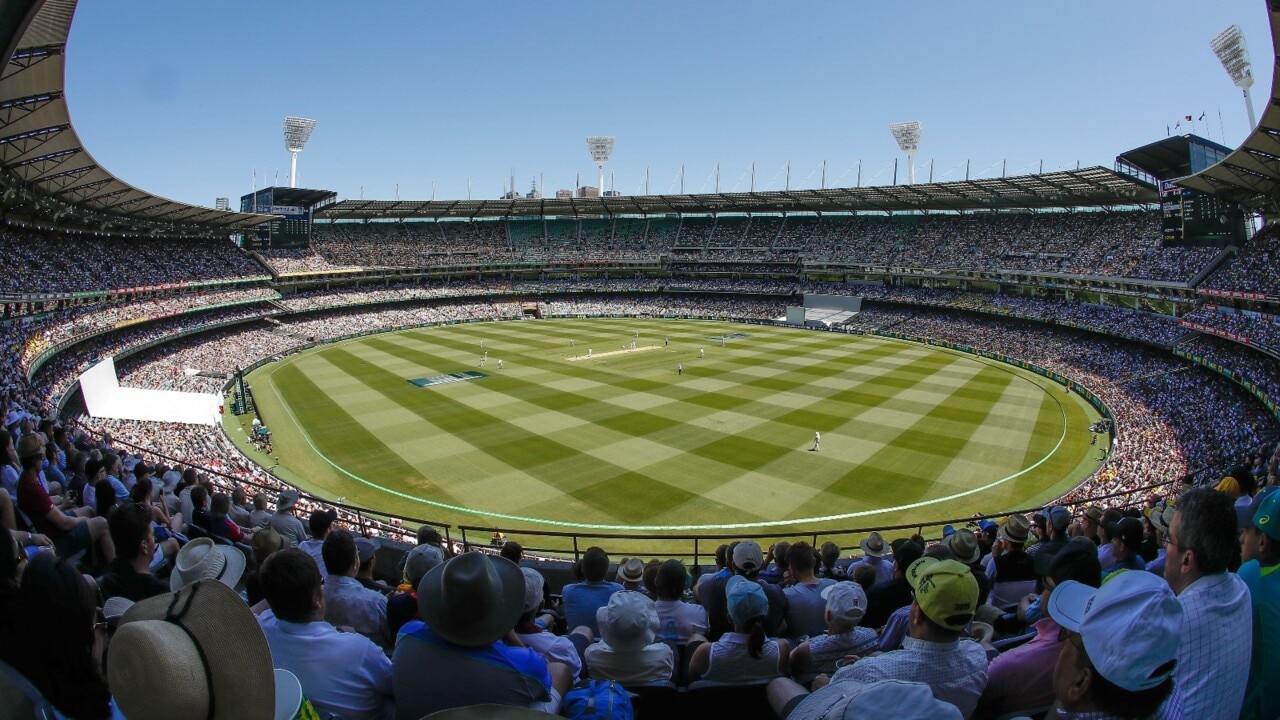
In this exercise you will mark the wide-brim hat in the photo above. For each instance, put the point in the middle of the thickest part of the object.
(195, 653)
(203, 559)
(30, 446)
(473, 599)
(629, 621)
(286, 500)
(873, 545)
(964, 544)
(1016, 529)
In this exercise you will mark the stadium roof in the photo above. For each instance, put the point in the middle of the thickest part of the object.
(1251, 175)
(1086, 187)
(45, 171)
(1170, 157)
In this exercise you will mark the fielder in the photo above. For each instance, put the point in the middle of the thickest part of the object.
(817, 442)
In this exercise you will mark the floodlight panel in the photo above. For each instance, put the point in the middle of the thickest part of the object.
(1233, 53)
(296, 133)
(601, 147)
(907, 134)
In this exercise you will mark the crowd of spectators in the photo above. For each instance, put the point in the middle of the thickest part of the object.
(1261, 329)
(1255, 268)
(62, 263)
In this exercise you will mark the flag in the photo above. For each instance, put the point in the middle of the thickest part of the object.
(1188, 118)
(1202, 116)
(1177, 125)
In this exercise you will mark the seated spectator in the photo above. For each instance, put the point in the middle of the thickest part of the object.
(846, 603)
(266, 542)
(222, 525)
(512, 551)
(631, 574)
(1022, 678)
(745, 560)
(1160, 516)
(240, 509)
(581, 600)
(319, 523)
(70, 533)
(1260, 550)
(1217, 622)
(1120, 650)
(946, 597)
(134, 537)
(194, 653)
(775, 566)
(368, 553)
(850, 701)
(627, 651)
(678, 620)
(284, 521)
(202, 559)
(455, 656)
(58, 637)
(260, 516)
(552, 647)
(830, 554)
(1126, 543)
(1089, 523)
(744, 653)
(885, 597)
(1057, 520)
(874, 550)
(806, 607)
(402, 606)
(348, 604)
(1011, 570)
(864, 575)
(342, 674)
(967, 550)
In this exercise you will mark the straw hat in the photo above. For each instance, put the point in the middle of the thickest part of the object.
(473, 599)
(873, 545)
(965, 546)
(1016, 528)
(195, 653)
(202, 559)
(631, 570)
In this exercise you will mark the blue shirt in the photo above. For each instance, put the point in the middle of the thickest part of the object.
(348, 603)
(342, 674)
(581, 600)
(430, 674)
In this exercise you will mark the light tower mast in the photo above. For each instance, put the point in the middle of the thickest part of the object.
(296, 133)
(601, 147)
(908, 136)
(1234, 55)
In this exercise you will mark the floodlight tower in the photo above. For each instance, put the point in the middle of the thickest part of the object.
(296, 133)
(601, 147)
(908, 136)
(1232, 52)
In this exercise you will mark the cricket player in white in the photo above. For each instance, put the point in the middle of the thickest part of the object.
(817, 442)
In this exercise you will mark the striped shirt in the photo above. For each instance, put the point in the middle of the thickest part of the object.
(1213, 657)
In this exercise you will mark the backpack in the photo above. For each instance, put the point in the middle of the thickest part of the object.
(601, 700)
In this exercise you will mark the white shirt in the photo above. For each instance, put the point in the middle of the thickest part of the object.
(554, 648)
(956, 671)
(1213, 657)
(652, 663)
(678, 620)
(343, 674)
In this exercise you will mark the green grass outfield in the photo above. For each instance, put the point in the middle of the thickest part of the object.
(622, 443)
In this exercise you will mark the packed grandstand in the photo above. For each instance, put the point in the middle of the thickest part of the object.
(1180, 346)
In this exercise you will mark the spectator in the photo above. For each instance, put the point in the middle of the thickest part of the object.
(320, 522)
(1120, 650)
(266, 542)
(455, 656)
(1160, 516)
(512, 551)
(745, 652)
(1126, 541)
(627, 651)
(222, 525)
(873, 555)
(70, 533)
(553, 648)
(1057, 519)
(402, 606)
(885, 597)
(58, 638)
(1011, 568)
(240, 509)
(806, 606)
(946, 597)
(745, 560)
(342, 674)
(260, 516)
(194, 653)
(966, 550)
(864, 575)
(830, 554)
(202, 559)
(631, 574)
(1089, 523)
(1217, 623)
(367, 551)
(775, 566)
(849, 701)
(582, 600)
(1022, 678)
(134, 537)
(1260, 550)
(347, 602)
(284, 521)
(678, 621)
(846, 603)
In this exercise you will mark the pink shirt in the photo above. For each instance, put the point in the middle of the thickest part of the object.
(1022, 678)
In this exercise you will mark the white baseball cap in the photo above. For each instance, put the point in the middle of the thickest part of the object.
(1131, 626)
(846, 600)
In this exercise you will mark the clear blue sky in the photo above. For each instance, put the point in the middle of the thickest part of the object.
(187, 99)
